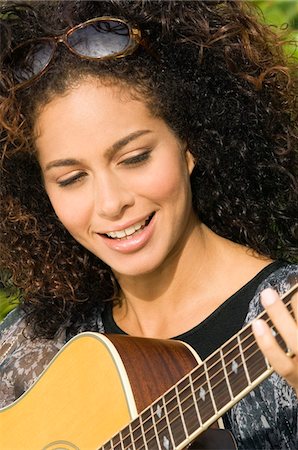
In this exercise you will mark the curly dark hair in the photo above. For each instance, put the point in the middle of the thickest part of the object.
(222, 83)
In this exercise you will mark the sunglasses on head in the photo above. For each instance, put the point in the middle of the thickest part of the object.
(101, 38)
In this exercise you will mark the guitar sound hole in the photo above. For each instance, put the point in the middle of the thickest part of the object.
(61, 445)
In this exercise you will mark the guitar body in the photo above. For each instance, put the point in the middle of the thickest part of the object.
(128, 393)
(92, 389)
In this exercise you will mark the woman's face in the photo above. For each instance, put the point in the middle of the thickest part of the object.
(117, 177)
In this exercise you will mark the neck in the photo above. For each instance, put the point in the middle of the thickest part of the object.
(189, 286)
(171, 274)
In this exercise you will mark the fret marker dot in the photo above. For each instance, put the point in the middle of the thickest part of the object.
(202, 394)
(166, 443)
(273, 332)
(159, 411)
(234, 367)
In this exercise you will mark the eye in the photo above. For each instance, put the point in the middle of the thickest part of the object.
(137, 159)
(72, 180)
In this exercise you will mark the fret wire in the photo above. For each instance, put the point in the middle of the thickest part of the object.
(155, 433)
(131, 434)
(118, 442)
(263, 316)
(246, 338)
(138, 429)
(156, 438)
(261, 359)
(219, 381)
(267, 320)
(195, 402)
(197, 390)
(143, 433)
(240, 346)
(181, 413)
(183, 424)
(243, 360)
(226, 375)
(154, 425)
(121, 441)
(168, 423)
(140, 437)
(109, 442)
(209, 386)
(251, 334)
(215, 415)
(254, 353)
(258, 351)
(155, 429)
(233, 348)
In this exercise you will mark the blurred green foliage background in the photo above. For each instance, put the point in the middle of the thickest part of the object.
(278, 13)
(282, 14)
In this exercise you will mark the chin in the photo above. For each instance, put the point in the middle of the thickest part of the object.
(136, 270)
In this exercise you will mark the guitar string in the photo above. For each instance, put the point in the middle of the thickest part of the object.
(195, 380)
(184, 410)
(253, 366)
(160, 430)
(165, 428)
(200, 376)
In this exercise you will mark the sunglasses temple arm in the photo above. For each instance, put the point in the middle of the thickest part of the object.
(148, 49)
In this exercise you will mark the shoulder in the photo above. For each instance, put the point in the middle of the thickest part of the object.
(281, 279)
(11, 330)
(22, 359)
(253, 420)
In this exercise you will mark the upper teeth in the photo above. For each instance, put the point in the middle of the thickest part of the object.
(127, 231)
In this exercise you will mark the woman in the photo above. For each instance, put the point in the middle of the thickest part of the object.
(148, 186)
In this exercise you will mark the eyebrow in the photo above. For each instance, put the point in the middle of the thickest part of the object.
(109, 153)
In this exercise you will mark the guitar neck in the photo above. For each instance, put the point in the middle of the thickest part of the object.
(202, 396)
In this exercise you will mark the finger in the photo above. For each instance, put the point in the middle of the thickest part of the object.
(287, 367)
(281, 318)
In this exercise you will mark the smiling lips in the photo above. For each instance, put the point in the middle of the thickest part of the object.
(126, 233)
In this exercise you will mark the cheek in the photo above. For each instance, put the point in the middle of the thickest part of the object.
(171, 181)
(72, 211)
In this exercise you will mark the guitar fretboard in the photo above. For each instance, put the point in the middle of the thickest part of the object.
(201, 397)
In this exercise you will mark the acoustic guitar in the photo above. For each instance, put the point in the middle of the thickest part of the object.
(104, 392)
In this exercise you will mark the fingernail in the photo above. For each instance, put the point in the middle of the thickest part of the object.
(268, 297)
(258, 327)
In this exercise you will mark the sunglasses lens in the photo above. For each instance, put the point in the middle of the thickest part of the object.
(100, 39)
(29, 60)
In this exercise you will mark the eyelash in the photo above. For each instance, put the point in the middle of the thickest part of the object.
(135, 160)
(72, 180)
(138, 159)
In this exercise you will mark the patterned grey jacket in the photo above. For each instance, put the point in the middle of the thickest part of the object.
(265, 419)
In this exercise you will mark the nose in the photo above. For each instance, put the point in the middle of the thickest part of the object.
(112, 197)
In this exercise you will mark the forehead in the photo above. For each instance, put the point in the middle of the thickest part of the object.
(91, 115)
(76, 78)
(86, 101)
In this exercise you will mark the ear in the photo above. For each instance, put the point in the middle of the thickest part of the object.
(190, 161)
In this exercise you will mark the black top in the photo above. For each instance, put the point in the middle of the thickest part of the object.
(221, 325)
